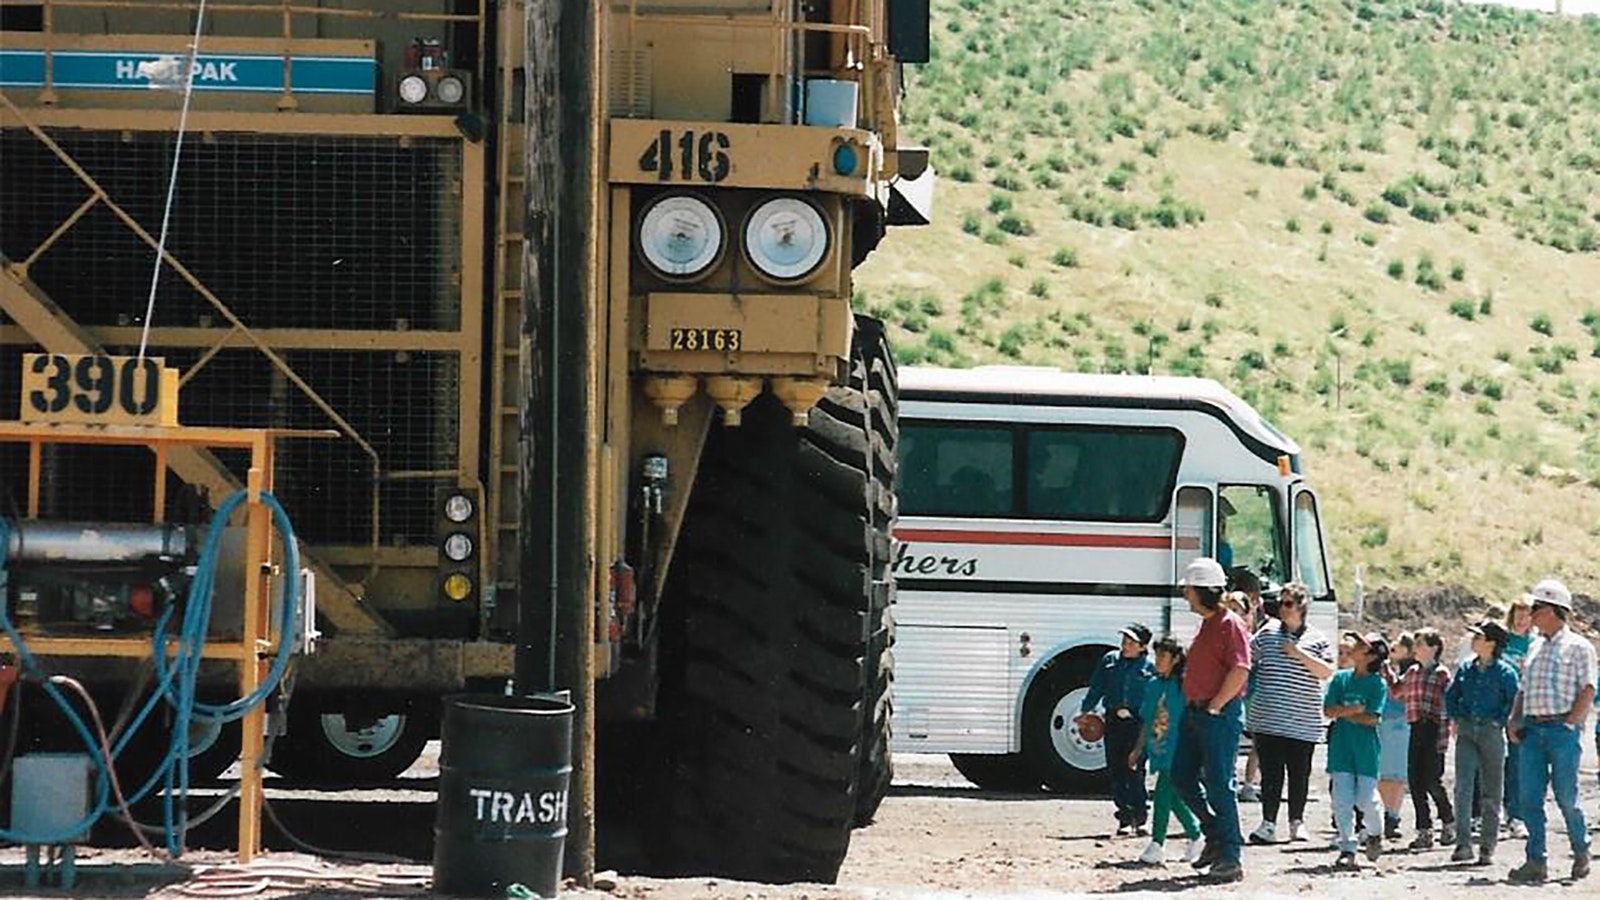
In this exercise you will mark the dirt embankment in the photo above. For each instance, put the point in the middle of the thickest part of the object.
(1451, 607)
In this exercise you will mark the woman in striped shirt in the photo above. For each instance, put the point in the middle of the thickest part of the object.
(1293, 661)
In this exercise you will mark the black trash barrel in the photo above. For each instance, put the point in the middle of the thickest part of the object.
(502, 817)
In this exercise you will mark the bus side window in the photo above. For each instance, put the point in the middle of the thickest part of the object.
(1310, 565)
(1191, 527)
(952, 470)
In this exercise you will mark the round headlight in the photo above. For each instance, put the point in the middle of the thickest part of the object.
(450, 89)
(458, 547)
(458, 508)
(457, 586)
(786, 238)
(413, 89)
(680, 236)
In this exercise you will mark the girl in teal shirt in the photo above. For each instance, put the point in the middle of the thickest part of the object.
(1355, 701)
(1162, 712)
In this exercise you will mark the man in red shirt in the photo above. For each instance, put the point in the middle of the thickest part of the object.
(1214, 680)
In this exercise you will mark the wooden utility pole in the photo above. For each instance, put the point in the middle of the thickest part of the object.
(556, 369)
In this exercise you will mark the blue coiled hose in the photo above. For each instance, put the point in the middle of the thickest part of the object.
(176, 680)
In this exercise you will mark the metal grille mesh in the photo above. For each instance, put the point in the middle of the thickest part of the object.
(403, 404)
(290, 231)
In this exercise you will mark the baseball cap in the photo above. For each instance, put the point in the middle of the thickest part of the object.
(1138, 632)
(1551, 591)
(1373, 641)
(1490, 629)
(1204, 573)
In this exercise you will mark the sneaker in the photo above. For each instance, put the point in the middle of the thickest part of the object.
(1531, 872)
(1208, 857)
(1485, 857)
(1347, 860)
(1374, 847)
(1516, 829)
(1423, 841)
(1265, 833)
(1123, 830)
(1226, 871)
(1154, 854)
(1297, 832)
(1195, 848)
(1391, 827)
(1462, 854)
(1580, 866)
(1249, 793)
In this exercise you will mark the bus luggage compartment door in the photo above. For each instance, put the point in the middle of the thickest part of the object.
(953, 689)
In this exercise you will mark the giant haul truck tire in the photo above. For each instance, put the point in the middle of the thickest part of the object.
(765, 654)
(876, 371)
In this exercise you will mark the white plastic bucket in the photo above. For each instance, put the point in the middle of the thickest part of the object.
(830, 103)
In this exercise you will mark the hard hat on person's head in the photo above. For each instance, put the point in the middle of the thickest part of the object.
(1204, 572)
(1552, 592)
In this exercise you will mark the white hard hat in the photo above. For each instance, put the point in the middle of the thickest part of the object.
(1551, 591)
(1204, 573)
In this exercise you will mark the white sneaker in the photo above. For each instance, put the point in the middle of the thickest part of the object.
(1249, 793)
(1297, 832)
(1265, 833)
(1516, 829)
(1196, 847)
(1154, 854)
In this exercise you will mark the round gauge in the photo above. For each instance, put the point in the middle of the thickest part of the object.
(458, 547)
(680, 236)
(413, 89)
(458, 508)
(450, 89)
(785, 238)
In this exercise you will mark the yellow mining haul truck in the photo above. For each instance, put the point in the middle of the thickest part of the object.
(351, 220)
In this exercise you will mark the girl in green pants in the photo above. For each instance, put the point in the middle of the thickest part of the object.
(1162, 713)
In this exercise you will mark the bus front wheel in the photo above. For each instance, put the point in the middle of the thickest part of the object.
(1060, 756)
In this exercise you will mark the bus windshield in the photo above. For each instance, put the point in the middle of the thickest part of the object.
(1250, 531)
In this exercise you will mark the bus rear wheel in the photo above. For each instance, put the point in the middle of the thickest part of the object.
(1060, 756)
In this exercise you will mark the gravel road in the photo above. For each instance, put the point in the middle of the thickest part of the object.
(936, 837)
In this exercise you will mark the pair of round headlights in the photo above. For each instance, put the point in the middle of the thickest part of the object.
(448, 89)
(682, 237)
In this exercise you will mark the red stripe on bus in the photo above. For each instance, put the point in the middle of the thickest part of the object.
(1033, 539)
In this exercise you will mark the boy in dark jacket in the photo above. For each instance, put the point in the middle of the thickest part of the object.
(1119, 680)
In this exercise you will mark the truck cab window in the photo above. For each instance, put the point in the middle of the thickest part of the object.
(1250, 531)
(956, 471)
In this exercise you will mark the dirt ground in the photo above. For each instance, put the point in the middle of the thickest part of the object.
(938, 837)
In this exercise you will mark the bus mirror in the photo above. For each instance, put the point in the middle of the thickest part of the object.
(909, 39)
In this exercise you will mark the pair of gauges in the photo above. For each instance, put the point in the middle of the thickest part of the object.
(681, 237)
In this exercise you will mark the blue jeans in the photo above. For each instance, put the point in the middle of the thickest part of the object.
(1549, 758)
(1127, 785)
(1513, 787)
(1352, 792)
(1202, 771)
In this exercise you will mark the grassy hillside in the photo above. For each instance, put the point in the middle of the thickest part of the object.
(1377, 221)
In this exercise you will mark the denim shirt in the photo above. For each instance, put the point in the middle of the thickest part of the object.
(1119, 681)
(1479, 692)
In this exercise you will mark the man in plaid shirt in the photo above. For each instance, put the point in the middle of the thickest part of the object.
(1422, 688)
(1558, 687)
